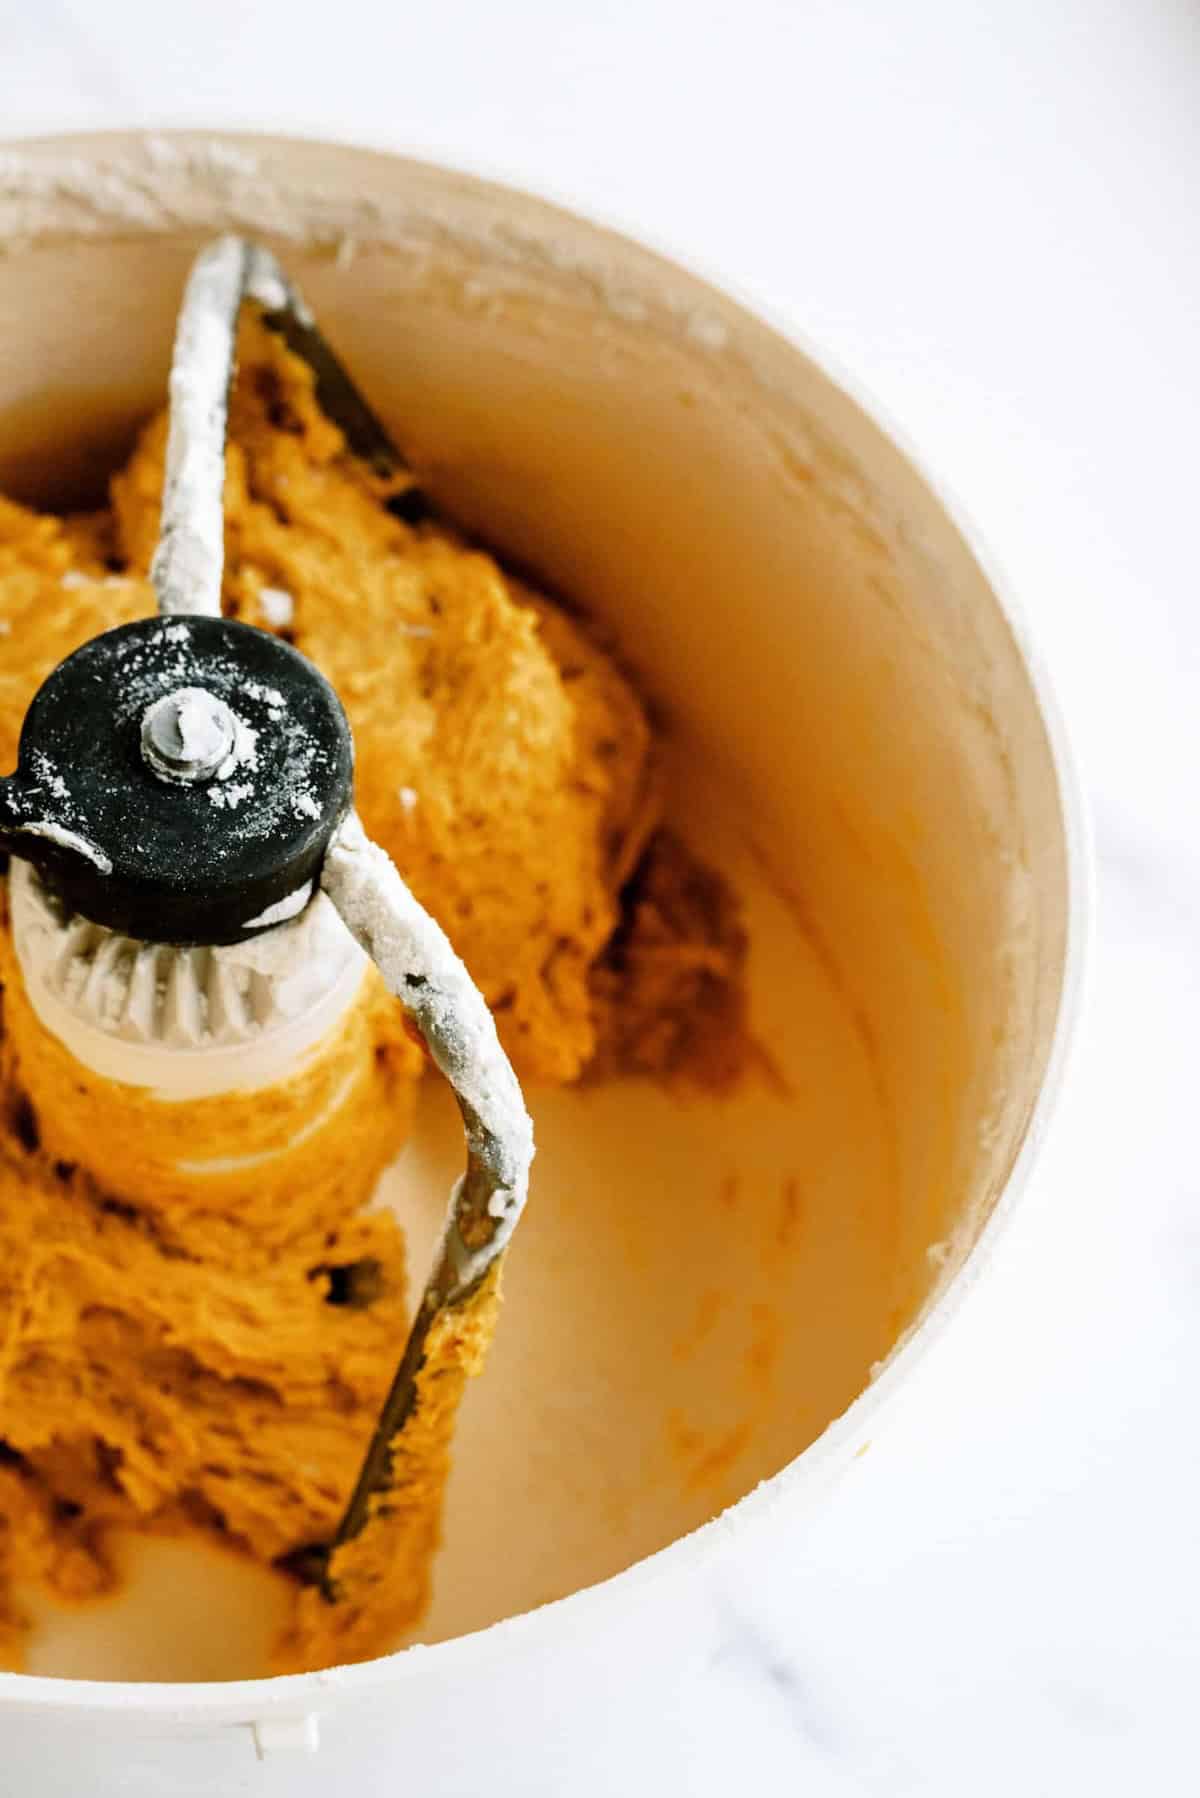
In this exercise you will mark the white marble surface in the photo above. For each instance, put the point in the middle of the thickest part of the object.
(987, 212)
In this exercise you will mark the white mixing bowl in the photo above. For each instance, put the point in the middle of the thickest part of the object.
(703, 1296)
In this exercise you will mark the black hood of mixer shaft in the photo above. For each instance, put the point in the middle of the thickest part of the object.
(179, 860)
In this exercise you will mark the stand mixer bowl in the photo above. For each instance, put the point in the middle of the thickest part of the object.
(860, 736)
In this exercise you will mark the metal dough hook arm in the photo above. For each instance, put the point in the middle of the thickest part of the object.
(189, 560)
(410, 949)
(419, 966)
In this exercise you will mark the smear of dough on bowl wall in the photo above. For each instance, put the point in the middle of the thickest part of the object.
(701, 1282)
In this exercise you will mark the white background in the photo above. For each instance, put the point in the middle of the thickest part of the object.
(988, 215)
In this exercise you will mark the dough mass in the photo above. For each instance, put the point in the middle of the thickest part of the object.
(184, 1349)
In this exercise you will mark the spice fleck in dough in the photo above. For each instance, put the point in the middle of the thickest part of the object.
(181, 1351)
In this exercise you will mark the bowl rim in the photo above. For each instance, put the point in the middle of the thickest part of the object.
(131, 1702)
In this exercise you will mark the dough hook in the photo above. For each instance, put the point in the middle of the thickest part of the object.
(188, 780)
